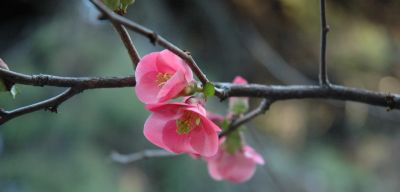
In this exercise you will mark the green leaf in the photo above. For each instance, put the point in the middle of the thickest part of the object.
(126, 3)
(209, 89)
(112, 4)
(14, 91)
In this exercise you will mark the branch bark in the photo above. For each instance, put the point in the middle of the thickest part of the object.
(126, 39)
(261, 109)
(153, 37)
(323, 72)
(145, 154)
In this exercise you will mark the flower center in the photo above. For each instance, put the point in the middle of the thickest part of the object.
(162, 78)
(187, 122)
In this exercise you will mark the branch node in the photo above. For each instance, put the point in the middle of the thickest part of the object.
(41, 80)
(391, 103)
(154, 38)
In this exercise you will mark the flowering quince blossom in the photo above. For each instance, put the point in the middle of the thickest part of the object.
(238, 105)
(182, 128)
(161, 76)
(237, 167)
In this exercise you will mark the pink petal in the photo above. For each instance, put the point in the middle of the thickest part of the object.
(146, 64)
(252, 154)
(239, 80)
(172, 87)
(242, 171)
(153, 128)
(146, 88)
(168, 62)
(213, 170)
(204, 140)
(175, 142)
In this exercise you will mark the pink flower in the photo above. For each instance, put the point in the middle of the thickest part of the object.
(238, 105)
(161, 76)
(182, 128)
(238, 167)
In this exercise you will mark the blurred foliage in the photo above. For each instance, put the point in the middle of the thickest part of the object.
(308, 145)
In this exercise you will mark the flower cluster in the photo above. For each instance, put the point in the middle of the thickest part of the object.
(186, 127)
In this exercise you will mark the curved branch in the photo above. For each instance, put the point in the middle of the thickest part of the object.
(264, 106)
(153, 37)
(126, 39)
(49, 104)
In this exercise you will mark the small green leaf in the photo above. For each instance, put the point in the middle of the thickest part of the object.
(112, 4)
(209, 89)
(126, 3)
(14, 91)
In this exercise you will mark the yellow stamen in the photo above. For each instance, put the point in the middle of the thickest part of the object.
(162, 78)
(187, 122)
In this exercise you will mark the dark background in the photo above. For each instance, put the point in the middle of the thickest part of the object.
(308, 145)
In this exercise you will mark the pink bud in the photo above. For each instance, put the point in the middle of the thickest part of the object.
(238, 105)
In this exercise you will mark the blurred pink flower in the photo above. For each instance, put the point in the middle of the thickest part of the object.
(238, 167)
(161, 76)
(182, 128)
(238, 105)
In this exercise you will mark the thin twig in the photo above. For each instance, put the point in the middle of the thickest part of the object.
(126, 39)
(153, 37)
(49, 104)
(264, 106)
(323, 72)
(145, 154)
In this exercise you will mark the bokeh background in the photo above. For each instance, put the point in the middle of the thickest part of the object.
(309, 145)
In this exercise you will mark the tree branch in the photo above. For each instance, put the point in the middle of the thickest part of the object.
(264, 106)
(49, 104)
(145, 154)
(126, 39)
(272, 92)
(323, 72)
(57, 81)
(336, 92)
(153, 37)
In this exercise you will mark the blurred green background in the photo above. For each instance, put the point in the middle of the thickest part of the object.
(309, 145)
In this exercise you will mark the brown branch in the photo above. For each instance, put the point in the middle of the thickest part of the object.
(57, 81)
(235, 124)
(49, 104)
(126, 39)
(272, 92)
(153, 37)
(323, 72)
(336, 92)
(145, 154)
